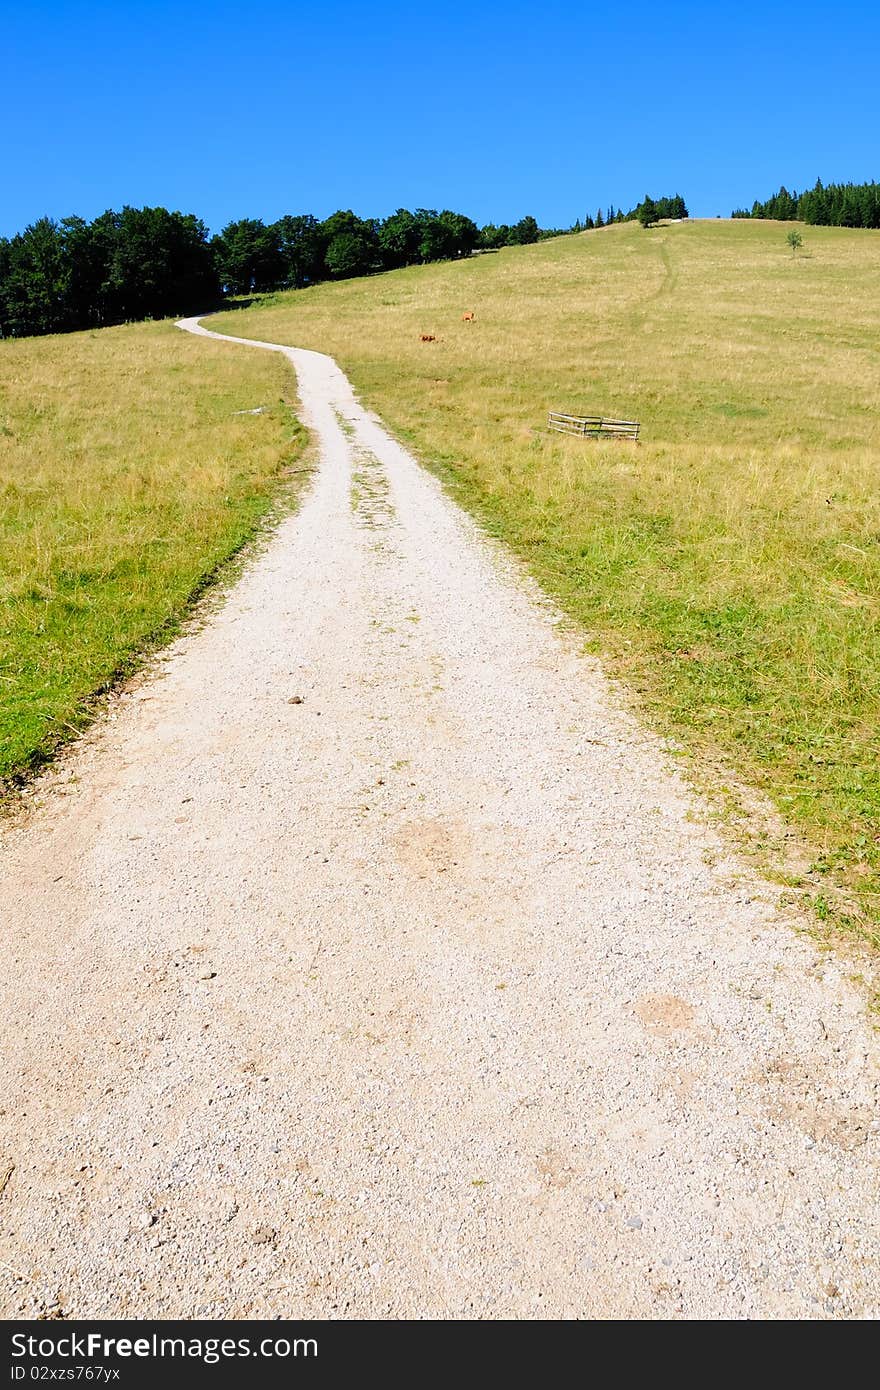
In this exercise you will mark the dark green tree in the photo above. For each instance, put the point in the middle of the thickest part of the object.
(524, 232)
(248, 256)
(399, 236)
(492, 238)
(344, 220)
(463, 232)
(5, 328)
(160, 264)
(302, 247)
(103, 237)
(831, 205)
(352, 245)
(36, 280)
(87, 250)
(647, 211)
(436, 241)
(350, 254)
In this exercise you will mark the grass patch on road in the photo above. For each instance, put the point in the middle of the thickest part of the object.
(126, 480)
(727, 567)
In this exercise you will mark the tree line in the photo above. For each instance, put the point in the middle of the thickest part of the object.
(139, 263)
(647, 211)
(134, 264)
(825, 205)
(57, 276)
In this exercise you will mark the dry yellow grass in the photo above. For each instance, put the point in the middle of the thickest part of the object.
(126, 478)
(729, 565)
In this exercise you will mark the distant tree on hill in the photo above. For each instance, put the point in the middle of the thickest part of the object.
(248, 256)
(647, 211)
(462, 233)
(87, 248)
(349, 254)
(827, 205)
(345, 221)
(159, 263)
(35, 280)
(399, 239)
(600, 220)
(673, 208)
(524, 232)
(492, 237)
(436, 238)
(795, 241)
(352, 245)
(137, 263)
(786, 205)
(302, 247)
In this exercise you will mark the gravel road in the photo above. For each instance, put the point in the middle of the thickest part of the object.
(369, 961)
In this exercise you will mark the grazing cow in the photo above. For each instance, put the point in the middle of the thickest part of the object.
(428, 338)
(468, 317)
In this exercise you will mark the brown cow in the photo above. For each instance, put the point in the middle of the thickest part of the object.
(468, 317)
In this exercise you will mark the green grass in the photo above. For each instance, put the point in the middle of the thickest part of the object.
(126, 480)
(728, 567)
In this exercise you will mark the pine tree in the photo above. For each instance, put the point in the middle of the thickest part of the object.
(827, 205)
(647, 211)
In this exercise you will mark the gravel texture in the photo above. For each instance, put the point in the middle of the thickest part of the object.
(369, 961)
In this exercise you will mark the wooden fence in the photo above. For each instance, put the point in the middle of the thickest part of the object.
(592, 426)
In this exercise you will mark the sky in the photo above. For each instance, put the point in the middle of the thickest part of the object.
(492, 109)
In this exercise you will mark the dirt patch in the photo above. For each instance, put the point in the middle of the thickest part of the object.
(795, 1096)
(664, 1014)
(430, 847)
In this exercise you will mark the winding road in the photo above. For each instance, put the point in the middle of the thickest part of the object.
(370, 961)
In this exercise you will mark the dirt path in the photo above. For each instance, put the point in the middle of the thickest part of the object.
(423, 996)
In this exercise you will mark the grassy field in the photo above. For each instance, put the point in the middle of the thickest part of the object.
(726, 567)
(126, 479)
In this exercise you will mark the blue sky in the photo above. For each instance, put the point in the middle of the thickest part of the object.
(494, 109)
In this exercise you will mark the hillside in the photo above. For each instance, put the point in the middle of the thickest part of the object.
(126, 479)
(727, 567)
(373, 962)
